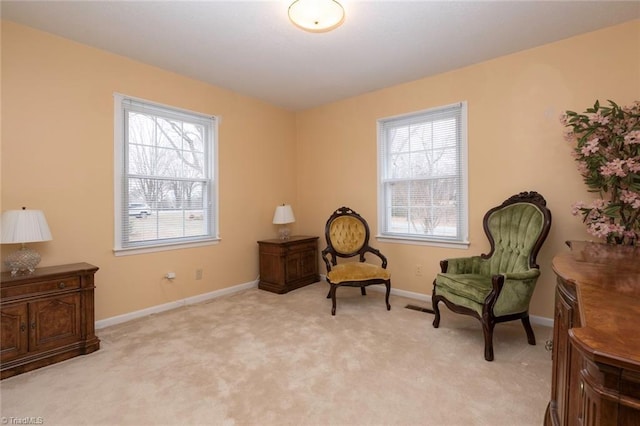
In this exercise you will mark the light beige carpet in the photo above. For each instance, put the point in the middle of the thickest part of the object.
(257, 358)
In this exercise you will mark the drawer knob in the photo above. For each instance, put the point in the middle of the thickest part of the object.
(61, 285)
(23, 327)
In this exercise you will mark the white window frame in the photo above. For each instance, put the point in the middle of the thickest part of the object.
(461, 240)
(122, 247)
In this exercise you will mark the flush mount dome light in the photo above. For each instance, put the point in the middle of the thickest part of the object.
(316, 16)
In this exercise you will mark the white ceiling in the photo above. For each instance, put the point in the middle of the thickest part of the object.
(250, 46)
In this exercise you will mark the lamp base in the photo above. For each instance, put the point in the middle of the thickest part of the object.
(284, 233)
(22, 261)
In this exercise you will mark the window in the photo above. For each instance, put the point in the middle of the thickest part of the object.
(165, 177)
(422, 173)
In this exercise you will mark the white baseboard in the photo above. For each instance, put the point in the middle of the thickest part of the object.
(118, 319)
(543, 321)
(547, 322)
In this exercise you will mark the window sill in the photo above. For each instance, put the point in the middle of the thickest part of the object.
(165, 247)
(422, 242)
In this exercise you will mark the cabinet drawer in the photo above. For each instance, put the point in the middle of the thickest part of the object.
(304, 246)
(41, 287)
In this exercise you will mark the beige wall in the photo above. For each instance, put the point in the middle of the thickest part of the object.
(515, 143)
(57, 155)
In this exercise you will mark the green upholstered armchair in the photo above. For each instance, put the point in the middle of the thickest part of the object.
(347, 235)
(497, 286)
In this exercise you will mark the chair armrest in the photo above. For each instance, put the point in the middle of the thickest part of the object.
(498, 281)
(461, 265)
(520, 276)
(328, 262)
(377, 253)
(511, 292)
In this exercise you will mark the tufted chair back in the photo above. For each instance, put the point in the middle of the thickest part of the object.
(348, 234)
(514, 230)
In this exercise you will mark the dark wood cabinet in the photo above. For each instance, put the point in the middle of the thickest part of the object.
(596, 346)
(288, 264)
(46, 317)
(566, 359)
(14, 338)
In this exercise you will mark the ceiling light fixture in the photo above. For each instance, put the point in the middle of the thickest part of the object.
(316, 16)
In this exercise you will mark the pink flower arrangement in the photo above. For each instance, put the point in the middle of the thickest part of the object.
(606, 141)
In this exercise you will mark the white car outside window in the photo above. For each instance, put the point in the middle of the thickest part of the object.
(139, 210)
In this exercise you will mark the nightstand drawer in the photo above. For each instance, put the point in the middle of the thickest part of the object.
(41, 287)
(302, 246)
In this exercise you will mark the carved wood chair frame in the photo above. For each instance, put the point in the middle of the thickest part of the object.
(488, 319)
(330, 256)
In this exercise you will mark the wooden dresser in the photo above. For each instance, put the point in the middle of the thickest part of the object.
(288, 264)
(596, 336)
(46, 317)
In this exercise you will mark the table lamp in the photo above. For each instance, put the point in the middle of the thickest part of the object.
(23, 226)
(283, 216)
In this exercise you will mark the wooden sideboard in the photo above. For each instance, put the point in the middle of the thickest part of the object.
(46, 317)
(596, 336)
(288, 264)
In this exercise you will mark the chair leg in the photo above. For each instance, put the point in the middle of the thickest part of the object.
(531, 338)
(363, 291)
(436, 311)
(487, 328)
(388, 284)
(332, 293)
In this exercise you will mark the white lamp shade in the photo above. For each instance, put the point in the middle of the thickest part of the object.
(316, 15)
(24, 226)
(283, 215)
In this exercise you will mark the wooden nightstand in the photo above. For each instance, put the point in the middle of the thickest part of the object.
(288, 264)
(47, 317)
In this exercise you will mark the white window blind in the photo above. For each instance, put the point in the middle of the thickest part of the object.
(422, 175)
(166, 191)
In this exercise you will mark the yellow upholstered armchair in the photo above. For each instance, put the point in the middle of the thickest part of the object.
(497, 286)
(347, 235)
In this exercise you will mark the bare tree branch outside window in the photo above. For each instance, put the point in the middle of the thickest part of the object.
(421, 175)
(166, 170)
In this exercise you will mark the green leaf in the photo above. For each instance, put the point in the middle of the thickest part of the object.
(612, 210)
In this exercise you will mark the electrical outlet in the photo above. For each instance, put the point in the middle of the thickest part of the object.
(418, 270)
(198, 274)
